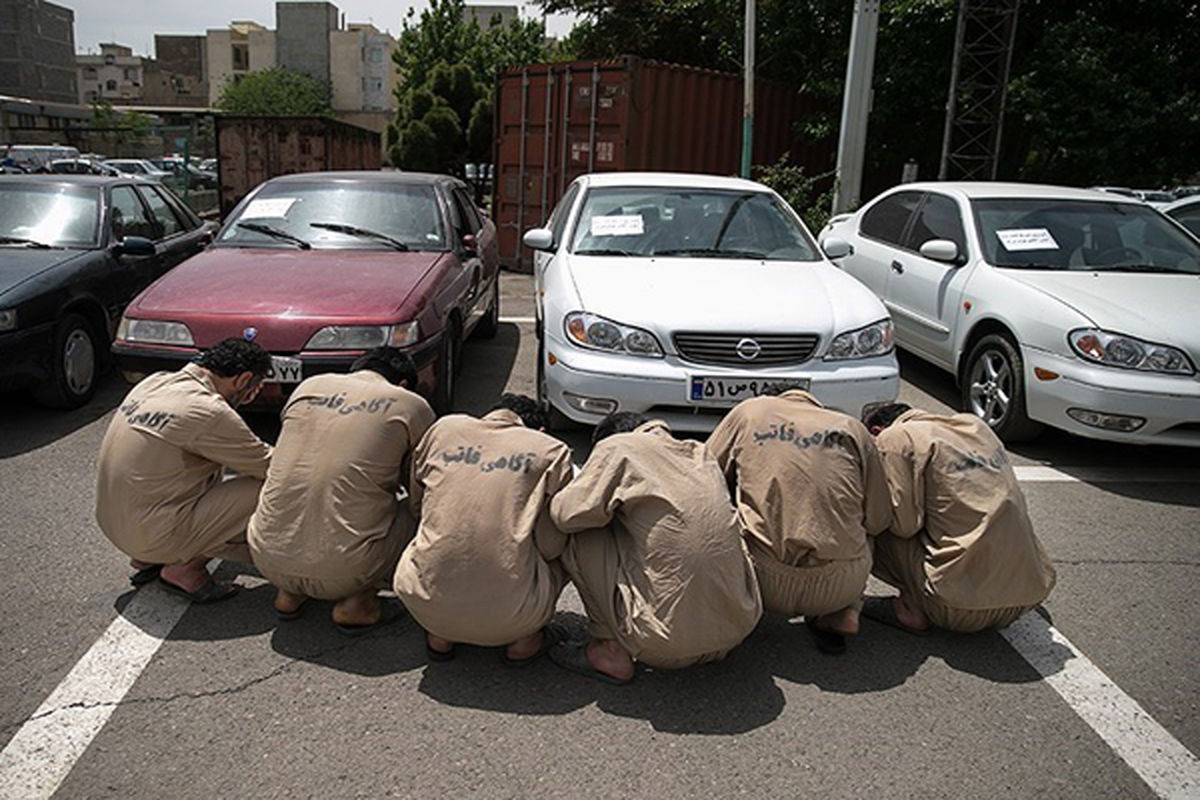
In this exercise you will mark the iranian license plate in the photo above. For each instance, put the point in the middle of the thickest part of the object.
(284, 370)
(727, 391)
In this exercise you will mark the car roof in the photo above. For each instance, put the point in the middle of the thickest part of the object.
(671, 180)
(372, 176)
(979, 190)
(78, 180)
(1184, 202)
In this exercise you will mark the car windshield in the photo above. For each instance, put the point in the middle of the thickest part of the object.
(33, 215)
(339, 215)
(1082, 235)
(683, 223)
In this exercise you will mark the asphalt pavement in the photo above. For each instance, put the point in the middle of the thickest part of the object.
(108, 693)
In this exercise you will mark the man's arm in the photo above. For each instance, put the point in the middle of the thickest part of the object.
(877, 505)
(224, 438)
(590, 500)
(416, 485)
(721, 443)
(548, 539)
(906, 481)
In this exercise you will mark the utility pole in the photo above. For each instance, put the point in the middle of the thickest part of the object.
(856, 105)
(748, 91)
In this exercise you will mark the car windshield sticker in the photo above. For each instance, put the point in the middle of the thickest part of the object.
(275, 207)
(1016, 239)
(618, 225)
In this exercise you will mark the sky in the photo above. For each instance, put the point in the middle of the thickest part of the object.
(134, 22)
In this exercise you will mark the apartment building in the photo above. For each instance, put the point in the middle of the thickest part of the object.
(37, 51)
(115, 75)
(178, 75)
(236, 51)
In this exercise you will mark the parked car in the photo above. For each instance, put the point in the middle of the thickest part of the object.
(36, 156)
(318, 267)
(138, 167)
(1124, 191)
(81, 166)
(1186, 212)
(74, 250)
(1050, 305)
(1155, 197)
(679, 295)
(189, 174)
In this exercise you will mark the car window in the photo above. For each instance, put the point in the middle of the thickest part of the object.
(558, 217)
(1189, 217)
(466, 208)
(887, 219)
(128, 216)
(938, 218)
(164, 217)
(186, 216)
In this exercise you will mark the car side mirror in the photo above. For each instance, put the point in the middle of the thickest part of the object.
(942, 250)
(836, 248)
(135, 246)
(469, 244)
(539, 239)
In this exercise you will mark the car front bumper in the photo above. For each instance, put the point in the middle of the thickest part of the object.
(135, 362)
(659, 387)
(1169, 404)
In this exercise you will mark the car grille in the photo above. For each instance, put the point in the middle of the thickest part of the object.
(721, 348)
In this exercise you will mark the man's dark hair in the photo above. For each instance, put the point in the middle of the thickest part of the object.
(526, 408)
(883, 417)
(392, 363)
(233, 356)
(775, 389)
(618, 422)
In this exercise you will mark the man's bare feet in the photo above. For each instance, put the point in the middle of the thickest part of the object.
(526, 648)
(844, 622)
(189, 576)
(909, 615)
(133, 562)
(287, 603)
(607, 656)
(438, 645)
(358, 609)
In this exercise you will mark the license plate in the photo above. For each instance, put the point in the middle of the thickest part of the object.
(284, 370)
(728, 391)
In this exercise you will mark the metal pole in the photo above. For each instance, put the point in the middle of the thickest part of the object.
(1012, 36)
(856, 105)
(952, 100)
(748, 90)
(521, 168)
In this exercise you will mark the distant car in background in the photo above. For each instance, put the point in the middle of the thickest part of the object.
(208, 165)
(74, 249)
(1124, 191)
(138, 167)
(188, 174)
(1155, 197)
(34, 156)
(81, 166)
(1186, 212)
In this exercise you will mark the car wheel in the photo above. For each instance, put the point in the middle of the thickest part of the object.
(75, 365)
(447, 370)
(994, 388)
(555, 419)
(490, 324)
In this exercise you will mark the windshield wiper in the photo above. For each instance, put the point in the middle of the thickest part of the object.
(707, 251)
(1138, 268)
(1031, 265)
(605, 252)
(352, 230)
(275, 233)
(24, 241)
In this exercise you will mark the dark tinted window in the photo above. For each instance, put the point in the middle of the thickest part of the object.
(128, 217)
(938, 219)
(466, 209)
(187, 217)
(562, 211)
(886, 219)
(165, 219)
(1189, 217)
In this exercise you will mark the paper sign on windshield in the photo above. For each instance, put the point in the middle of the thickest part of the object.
(1017, 239)
(618, 225)
(274, 207)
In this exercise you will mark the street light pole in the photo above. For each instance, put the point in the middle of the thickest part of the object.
(856, 105)
(748, 91)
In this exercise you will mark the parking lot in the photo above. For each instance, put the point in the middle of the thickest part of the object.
(108, 693)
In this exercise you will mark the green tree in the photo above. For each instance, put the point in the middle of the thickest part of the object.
(275, 92)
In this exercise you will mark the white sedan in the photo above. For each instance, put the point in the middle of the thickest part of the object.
(1050, 305)
(679, 295)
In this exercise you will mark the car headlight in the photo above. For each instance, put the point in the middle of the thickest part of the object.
(8, 319)
(1119, 350)
(873, 340)
(153, 331)
(598, 333)
(364, 337)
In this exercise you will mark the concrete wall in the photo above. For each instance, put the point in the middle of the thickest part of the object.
(178, 75)
(346, 70)
(37, 51)
(257, 44)
(361, 69)
(302, 37)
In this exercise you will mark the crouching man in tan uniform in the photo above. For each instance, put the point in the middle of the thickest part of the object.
(159, 494)
(655, 549)
(961, 548)
(328, 523)
(810, 489)
(483, 567)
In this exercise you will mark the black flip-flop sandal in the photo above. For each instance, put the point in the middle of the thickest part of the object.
(145, 575)
(881, 609)
(288, 616)
(573, 656)
(831, 643)
(440, 656)
(210, 592)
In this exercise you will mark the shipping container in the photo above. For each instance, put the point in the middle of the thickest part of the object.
(252, 149)
(555, 122)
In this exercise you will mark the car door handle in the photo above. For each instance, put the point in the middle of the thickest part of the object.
(897, 268)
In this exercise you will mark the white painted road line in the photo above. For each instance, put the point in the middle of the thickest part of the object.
(1042, 474)
(518, 320)
(1167, 767)
(43, 751)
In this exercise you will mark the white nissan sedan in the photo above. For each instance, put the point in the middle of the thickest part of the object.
(1056, 306)
(680, 295)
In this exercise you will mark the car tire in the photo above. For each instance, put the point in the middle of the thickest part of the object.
(447, 369)
(993, 388)
(489, 326)
(75, 365)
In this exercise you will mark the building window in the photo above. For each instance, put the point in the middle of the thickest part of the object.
(89, 72)
(375, 55)
(130, 74)
(110, 59)
(377, 84)
(240, 53)
(110, 85)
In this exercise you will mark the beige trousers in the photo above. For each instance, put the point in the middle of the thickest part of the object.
(900, 562)
(339, 585)
(811, 588)
(592, 563)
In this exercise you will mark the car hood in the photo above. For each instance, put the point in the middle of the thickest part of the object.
(20, 264)
(718, 294)
(1160, 308)
(301, 283)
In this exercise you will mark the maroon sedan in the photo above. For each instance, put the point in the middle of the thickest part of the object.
(319, 267)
